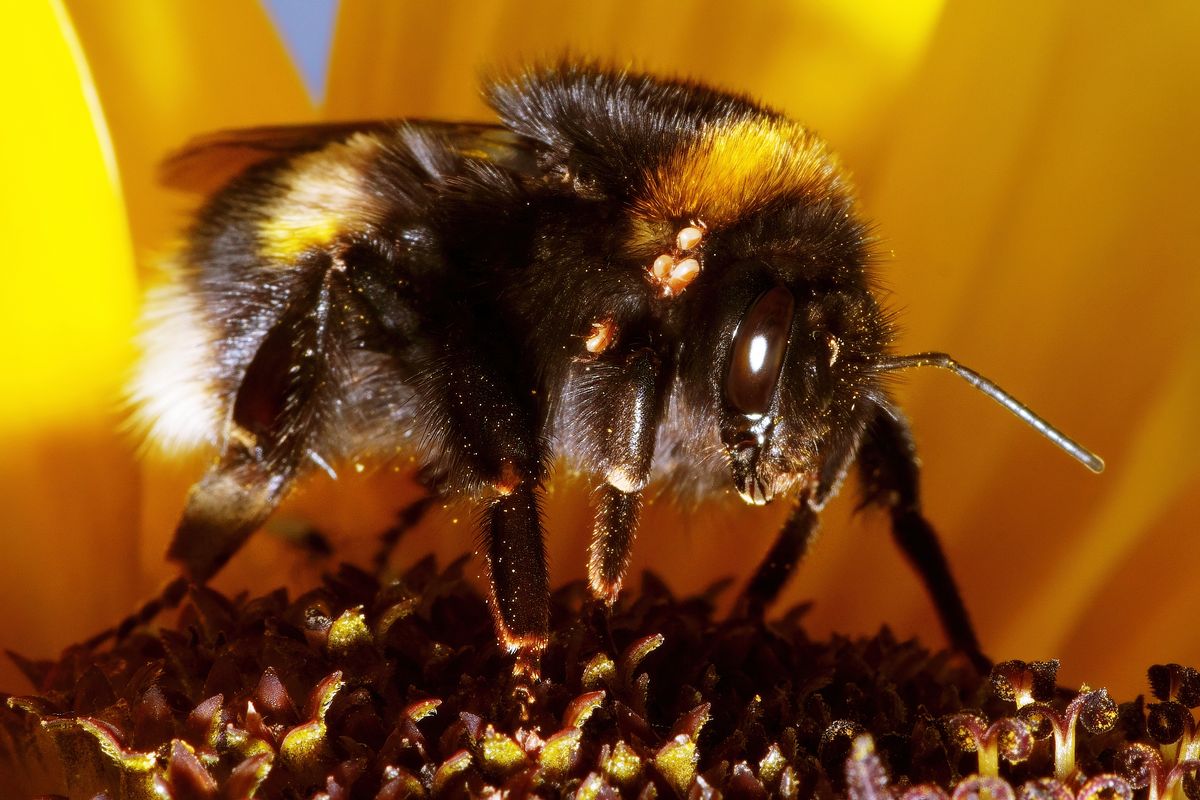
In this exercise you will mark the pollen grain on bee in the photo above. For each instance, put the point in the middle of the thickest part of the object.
(688, 238)
(600, 336)
(835, 349)
(661, 268)
(682, 275)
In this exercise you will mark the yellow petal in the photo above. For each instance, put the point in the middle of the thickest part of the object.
(166, 72)
(73, 559)
(67, 482)
(836, 67)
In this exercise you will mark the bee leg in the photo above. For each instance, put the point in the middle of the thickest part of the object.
(612, 541)
(488, 445)
(280, 406)
(890, 472)
(478, 417)
(231, 501)
(788, 550)
(797, 534)
(520, 582)
(630, 424)
(273, 420)
(228, 504)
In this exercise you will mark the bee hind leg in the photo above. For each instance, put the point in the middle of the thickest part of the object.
(889, 467)
(222, 510)
(231, 501)
(276, 414)
(280, 409)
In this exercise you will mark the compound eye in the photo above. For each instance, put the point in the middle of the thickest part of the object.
(756, 357)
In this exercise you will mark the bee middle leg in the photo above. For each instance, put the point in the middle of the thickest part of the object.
(484, 422)
(478, 418)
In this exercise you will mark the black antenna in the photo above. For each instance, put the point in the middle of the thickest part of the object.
(1073, 448)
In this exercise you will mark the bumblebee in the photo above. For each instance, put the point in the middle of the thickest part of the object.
(657, 281)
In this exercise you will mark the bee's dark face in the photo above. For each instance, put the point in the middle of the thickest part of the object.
(792, 378)
(750, 389)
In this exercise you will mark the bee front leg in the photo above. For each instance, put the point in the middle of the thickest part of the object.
(615, 528)
(785, 554)
(890, 472)
(797, 534)
(630, 422)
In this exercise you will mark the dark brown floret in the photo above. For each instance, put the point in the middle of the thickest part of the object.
(362, 690)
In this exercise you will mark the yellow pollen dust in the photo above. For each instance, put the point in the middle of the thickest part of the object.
(600, 337)
(835, 348)
(688, 238)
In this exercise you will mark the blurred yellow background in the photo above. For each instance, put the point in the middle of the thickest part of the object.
(1033, 173)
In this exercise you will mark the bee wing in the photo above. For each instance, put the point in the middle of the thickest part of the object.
(211, 160)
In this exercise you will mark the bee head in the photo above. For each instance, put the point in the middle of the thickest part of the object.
(800, 372)
(795, 382)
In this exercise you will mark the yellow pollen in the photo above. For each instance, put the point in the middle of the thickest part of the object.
(688, 238)
(600, 337)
